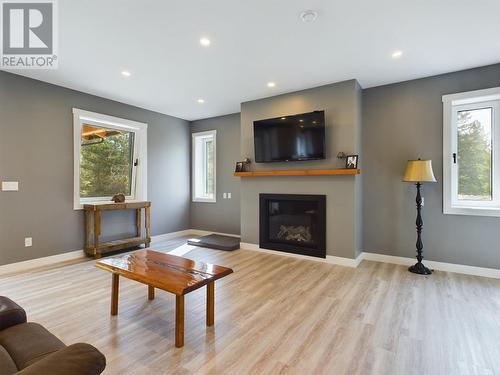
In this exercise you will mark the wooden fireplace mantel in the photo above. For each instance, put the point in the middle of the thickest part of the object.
(304, 172)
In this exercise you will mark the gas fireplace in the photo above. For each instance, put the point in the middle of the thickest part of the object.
(293, 223)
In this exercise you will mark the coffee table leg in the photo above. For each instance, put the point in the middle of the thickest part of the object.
(210, 303)
(114, 293)
(151, 292)
(179, 321)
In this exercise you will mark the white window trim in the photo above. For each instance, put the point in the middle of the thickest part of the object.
(193, 166)
(140, 146)
(451, 101)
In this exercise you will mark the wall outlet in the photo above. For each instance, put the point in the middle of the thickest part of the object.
(228, 195)
(28, 242)
(224, 195)
(10, 186)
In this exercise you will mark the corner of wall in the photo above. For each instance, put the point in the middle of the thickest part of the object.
(358, 183)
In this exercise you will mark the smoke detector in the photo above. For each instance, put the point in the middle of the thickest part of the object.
(308, 16)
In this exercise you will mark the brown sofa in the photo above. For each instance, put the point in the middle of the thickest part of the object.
(28, 348)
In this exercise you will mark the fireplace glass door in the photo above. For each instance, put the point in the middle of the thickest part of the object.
(293, 223)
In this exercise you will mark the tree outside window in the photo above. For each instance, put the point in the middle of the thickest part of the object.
(106, 162)
(474, 154)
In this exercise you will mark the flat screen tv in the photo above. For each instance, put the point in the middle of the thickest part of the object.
(290, 138)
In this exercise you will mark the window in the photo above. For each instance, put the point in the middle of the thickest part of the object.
(471, 153)
(204, 163)
(110, 158)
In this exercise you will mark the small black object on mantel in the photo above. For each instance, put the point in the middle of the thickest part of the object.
(246, 164)
(243, 166)
(239, 167)
(419, 171)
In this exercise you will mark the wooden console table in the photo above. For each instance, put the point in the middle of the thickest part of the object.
(95, 248)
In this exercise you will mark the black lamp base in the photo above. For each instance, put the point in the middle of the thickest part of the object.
(420, 269)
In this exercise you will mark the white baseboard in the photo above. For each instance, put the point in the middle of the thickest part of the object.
(187, 232)
(199, 232)
(171, 235)
(388, 259)
(438, 266)
(40, 262)
(347, 262)
(28, 265)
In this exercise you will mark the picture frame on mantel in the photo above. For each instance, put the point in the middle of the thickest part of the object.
(351, 161)
(239, 167)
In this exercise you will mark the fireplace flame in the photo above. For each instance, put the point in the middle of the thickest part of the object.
(299, 233)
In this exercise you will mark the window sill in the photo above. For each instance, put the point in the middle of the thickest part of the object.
(472, 211)
(201, 200)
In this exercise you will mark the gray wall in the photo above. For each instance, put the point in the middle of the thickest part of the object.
(36, 149)
(224, 215)
(373, 212)
(405, 121)
(341, 101)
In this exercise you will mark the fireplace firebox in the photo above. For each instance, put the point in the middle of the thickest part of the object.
(294, 223)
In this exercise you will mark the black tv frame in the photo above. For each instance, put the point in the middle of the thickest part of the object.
(292, 160)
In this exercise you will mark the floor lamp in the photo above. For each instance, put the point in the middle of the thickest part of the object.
(419, 171)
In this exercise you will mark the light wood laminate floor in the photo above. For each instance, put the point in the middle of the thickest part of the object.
(277, 315)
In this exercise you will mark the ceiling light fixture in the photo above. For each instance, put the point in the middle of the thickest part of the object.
(308, 16)
(397, 54)
(205, 42)
(201, 101)
(125, 73)
(271, 84)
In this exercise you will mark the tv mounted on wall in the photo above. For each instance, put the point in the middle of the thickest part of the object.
(290, 138)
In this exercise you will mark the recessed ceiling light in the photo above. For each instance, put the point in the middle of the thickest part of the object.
(271, 84)
(283, 118)
(125, 73)
(397, 54)
(201, 101)
(205, 42)
(308, 16)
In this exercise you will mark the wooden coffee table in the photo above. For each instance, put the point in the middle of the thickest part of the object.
(171, 273)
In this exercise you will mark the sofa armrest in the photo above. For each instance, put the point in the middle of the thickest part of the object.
(76, 359)
(10, 313)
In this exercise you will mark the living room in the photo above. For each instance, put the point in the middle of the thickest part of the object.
(313, 191)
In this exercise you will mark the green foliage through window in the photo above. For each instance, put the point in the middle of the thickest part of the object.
(209, 157)
(106, 162)
(204, 160)
(474, 154)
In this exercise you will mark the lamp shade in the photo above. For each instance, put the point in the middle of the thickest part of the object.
(419, 171)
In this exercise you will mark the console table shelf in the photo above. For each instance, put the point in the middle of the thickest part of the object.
(96, 248)
(307, 172)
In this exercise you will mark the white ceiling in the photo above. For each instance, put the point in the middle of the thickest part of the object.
(256, 41)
